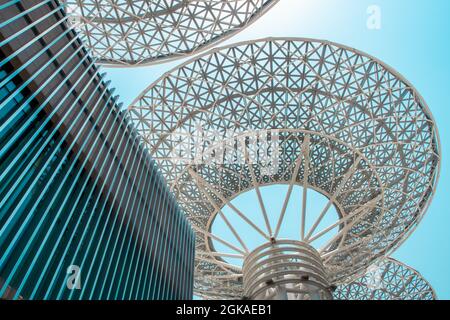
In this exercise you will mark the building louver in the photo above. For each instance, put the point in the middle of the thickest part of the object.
(84, 211)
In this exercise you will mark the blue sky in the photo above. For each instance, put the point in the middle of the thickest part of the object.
(414, 39)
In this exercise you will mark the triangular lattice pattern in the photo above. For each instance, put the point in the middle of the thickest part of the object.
(387, 279)
(372, 145)
(137, 32)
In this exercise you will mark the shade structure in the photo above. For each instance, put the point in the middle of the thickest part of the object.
(142, 32)
(330, 118)
(388, 279)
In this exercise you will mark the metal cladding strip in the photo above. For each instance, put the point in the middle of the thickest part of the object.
(109, 215)
(41, 193)
(98, 197)
(36, 180)
(15, 215)
(124, 241)
(146, 231)
(8, 4)
(154, 275)
(28, 44)
(43, 68)
(77, 225)
(23, 13)
(4, 126)
(138, 258)
(36, 134)
(130, 273)
(147, 242)
(154, 242)
(162, 288)
(169, 285)
(102, 232)
(77, 186)
(54, 218)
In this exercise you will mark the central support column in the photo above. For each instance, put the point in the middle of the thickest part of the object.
(285, 270)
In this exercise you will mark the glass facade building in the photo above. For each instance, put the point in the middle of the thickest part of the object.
(84, 211)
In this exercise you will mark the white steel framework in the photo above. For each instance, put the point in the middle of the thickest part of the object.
(347, 126)
(388, 279)
(143, 32)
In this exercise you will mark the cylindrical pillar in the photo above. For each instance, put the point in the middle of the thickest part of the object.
(285, 270)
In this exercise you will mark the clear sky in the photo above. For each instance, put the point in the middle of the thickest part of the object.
(414, 39)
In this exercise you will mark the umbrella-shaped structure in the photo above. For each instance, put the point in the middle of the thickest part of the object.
(143, 32)
(388, 279)
(317, 117)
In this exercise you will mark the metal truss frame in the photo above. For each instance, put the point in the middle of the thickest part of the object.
(350, 127)
(388, 279)
(145, 32)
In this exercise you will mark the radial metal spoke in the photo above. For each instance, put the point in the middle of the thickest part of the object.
(305, 152)
(343, 220)
(344, 230)
(345, 179)
(327, 256)
(221, 254)
(258, 193)
(226, 277)
(217, 194)
(225, 266)
(356, 149)
(225, 219)
(305, 148)
(224, 242)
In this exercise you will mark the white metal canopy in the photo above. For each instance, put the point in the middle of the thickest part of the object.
(346, 125)
(142, 32)
(388, 279)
